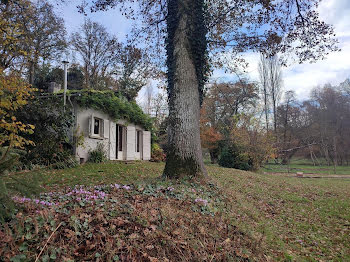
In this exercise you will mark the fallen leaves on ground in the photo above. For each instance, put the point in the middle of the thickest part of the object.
(126, 223)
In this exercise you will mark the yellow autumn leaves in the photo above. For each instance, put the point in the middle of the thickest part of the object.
(14, 94)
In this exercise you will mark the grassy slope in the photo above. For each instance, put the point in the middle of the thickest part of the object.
(284, 218)
(297, 218)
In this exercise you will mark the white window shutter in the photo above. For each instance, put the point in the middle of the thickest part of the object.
(130, 142)
(105, 128)
(146, 147)
(91, 125)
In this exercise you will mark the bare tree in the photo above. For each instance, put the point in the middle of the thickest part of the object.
(148, 99)
(271, 82)
(98, 51)
(275, 85)
(132, 70)
(317, 126)
(159, 106)
(264, 81)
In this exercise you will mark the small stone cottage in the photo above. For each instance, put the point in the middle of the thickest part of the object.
(104, 118)
(122, 140)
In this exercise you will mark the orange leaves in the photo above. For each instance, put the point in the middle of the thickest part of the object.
(209, 135)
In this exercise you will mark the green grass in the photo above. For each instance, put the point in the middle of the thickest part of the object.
(95, 174)
(289, 219)
(305, 166)
(303, 219)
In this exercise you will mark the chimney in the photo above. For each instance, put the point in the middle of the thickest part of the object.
(54, 87)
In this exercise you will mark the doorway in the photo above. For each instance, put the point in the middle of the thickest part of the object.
(120, 142)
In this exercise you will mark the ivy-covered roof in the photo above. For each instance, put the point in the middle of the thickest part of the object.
(116, 107)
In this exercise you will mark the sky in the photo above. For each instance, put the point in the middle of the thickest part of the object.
(298, 77)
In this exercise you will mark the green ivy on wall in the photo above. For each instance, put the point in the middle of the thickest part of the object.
(116, 107)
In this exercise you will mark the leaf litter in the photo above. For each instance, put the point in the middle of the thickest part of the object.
(146, 222)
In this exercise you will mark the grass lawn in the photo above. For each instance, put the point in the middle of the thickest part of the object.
(248, 217)
(306, 166)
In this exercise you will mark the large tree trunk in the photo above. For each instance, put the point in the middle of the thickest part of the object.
(184, 155)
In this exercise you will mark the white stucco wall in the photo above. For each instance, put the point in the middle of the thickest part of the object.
(90, 143)
(108, 138)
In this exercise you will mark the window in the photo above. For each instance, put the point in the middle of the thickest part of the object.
(138, 140)
(97, 126)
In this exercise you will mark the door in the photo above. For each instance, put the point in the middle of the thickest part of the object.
(138, 145)
(120, 142)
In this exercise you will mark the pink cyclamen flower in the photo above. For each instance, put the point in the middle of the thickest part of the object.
(204, 202)
(126, 187)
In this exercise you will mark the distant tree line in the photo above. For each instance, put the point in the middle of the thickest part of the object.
(317, 128)
(244, 124)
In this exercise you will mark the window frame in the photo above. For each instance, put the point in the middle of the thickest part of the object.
(100, 135)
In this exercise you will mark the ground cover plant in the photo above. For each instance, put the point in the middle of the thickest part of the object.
(124, 211)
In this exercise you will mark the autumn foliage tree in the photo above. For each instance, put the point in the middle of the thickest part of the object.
(37, 35)
(11, 37)
(14, 91)
(252, 142)
(210, 136)
(222, 108)
(14, 94)
(132, 71)
(230, 127)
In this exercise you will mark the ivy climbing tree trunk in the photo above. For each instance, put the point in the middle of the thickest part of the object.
(184, 156)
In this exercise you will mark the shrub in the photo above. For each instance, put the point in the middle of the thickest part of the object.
(231, 157)
(52, 135)
(98, 155)
(157, 154)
